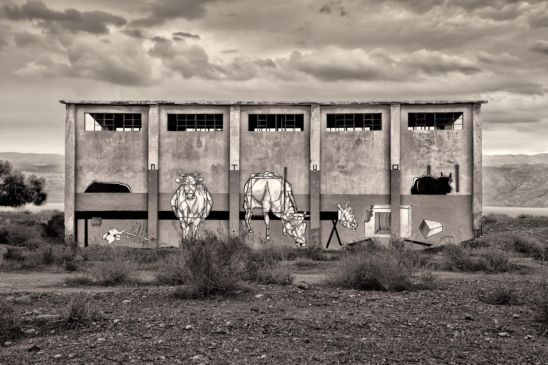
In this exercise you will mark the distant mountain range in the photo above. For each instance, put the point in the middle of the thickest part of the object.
(508, 180)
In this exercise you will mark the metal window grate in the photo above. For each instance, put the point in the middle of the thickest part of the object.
(354, 122)
(435, 121)
(194, 122)
(276, 122)
(119, 122)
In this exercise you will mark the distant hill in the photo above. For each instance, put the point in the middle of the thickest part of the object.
(508, 180)
(49, 166)
(501, 160)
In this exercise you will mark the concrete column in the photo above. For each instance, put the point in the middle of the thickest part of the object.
(314, 177)
(153, 174)
(395, 170)
(70, 175)
(476, 174)
(234, 173)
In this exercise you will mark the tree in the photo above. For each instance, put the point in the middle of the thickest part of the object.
(16, 189)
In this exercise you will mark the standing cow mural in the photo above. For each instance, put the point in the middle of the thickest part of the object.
(273, 193)
(191, 203)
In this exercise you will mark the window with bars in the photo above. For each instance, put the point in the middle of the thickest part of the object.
(194, 122)
(354, 122)
(276, 122)
(435, 121)
(119, 122)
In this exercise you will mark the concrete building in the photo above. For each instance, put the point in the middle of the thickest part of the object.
(145, 173)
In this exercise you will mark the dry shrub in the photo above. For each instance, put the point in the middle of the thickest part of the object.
(119, 271)
(21, 258)
(213, 265)
(512, 241)
(10, 324)
(278, 273)
(501, 295)
(81, 313)
(172, 271)
(540, 306)
(488, 259)
(373, 268)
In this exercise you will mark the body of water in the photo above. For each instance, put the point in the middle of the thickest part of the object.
(515, 211)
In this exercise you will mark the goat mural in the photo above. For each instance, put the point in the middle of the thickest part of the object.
(274, 194)
(191, 203)
(345, 216)
(429, 185)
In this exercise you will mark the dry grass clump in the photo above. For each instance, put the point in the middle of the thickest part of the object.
(522, 243)
(22, 258)
(373, 268)
(278, 273)
(81, 313)
(212, 266)
(10, 324)
(488, 259)
(501, 295)
(117, 272)
(540, 306)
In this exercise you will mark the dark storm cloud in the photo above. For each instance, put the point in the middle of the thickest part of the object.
(24, 39)
(135, 33)
(160, 12)
(95, 22)
(186, 35)
(540, 46)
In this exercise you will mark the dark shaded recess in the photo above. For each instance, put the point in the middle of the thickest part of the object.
(107, 187)
(435, 121)
(429, 185)
(194, 122)
(368, 121)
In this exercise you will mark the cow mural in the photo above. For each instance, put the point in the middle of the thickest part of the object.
(345, 216)
(429, 185)
(274, 194)
(191, 203)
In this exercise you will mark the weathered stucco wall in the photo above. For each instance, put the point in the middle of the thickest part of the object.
(109, 155)
(355, 162)
(199, 152)
(441, 149)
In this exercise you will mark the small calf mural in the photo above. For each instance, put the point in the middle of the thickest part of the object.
(113, 235)
(429, 185)
(191, 203)
(274, 194)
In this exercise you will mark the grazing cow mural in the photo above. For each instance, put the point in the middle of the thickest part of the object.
(429, 185)
(274, 194)
(191, 203)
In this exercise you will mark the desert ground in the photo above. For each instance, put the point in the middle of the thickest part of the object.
(485, 303)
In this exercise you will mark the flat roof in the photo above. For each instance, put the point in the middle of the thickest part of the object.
(266, 102)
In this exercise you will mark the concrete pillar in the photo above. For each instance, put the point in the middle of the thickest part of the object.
(476, 174)
(314, 177)
(70, 175)
(234, 173)
(153, 174)
(395, 170)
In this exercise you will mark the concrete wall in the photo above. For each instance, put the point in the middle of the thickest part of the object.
(111, 156)
(352, 166)
(272, 151)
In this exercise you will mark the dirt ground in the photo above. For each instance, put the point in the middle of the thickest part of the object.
(297, 324)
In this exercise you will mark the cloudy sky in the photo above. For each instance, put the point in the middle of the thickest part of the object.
(281, 50)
